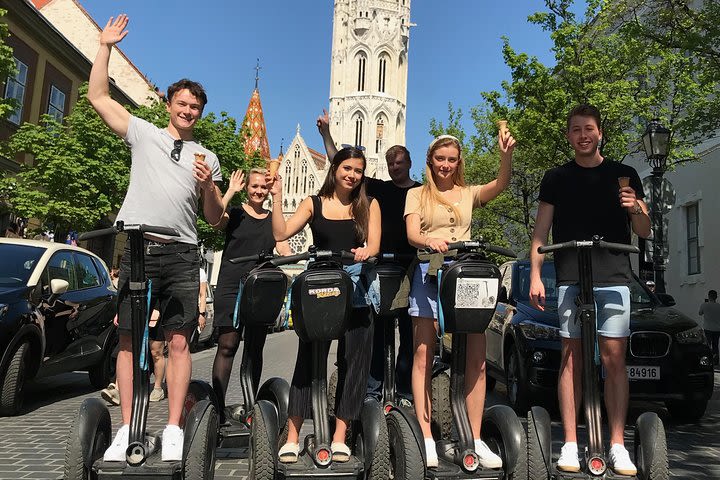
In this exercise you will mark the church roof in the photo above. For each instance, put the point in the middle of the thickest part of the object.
(318, 158)
(257, 132)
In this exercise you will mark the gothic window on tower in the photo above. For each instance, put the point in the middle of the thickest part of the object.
(358, 130)
(296, 188)
(379, 134)
(304, 175)
(361, 62)
(312, 184)
(382, 69)
(288, 169)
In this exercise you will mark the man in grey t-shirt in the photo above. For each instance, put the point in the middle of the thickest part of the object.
(170, 173)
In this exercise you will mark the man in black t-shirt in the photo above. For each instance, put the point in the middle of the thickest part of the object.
(588, 196)
(391, 196)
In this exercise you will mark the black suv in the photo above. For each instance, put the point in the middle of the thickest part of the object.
(667, 356)
(57, 305)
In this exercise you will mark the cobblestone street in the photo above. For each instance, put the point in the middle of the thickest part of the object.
(32, 445)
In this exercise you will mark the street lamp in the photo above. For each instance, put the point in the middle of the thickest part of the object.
(656, 140)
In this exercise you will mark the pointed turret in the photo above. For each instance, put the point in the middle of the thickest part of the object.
(254, 122)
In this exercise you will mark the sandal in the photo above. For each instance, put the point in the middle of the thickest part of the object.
(340, 452)
(289, 453)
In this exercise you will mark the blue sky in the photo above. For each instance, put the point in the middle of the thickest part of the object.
(455, 53)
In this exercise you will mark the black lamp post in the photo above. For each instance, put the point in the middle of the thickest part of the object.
(656, 140)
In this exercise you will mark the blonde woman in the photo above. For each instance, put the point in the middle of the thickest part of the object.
(437, 213)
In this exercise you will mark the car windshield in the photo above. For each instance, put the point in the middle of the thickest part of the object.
(548, 278)
(17, 263)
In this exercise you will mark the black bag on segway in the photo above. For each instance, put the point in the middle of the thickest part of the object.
(390, 276)
(263, 296)
(468, 293)
(321, 301)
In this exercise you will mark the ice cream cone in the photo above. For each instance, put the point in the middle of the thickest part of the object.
(273, 166)
(199, 156)
(624, 181)
(502, 126)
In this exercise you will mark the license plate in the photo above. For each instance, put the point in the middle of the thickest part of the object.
(639, 372)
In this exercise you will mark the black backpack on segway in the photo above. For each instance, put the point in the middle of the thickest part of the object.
(260, 301)
(321, 302)
(467, 297)
(90, 434)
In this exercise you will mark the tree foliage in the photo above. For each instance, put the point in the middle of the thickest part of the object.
(607, 57)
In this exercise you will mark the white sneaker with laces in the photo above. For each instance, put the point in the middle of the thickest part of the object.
(431, 458)
(568, 461)
(488, 458)
(620, 460)
(172, 443)
(116, 450)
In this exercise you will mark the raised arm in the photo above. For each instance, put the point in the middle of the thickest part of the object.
(323, 124)
(112, 113)
(282, 229)
(492, 189)
(543, 222)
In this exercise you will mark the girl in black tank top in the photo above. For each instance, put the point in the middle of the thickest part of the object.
(341, 217)
(248, 231)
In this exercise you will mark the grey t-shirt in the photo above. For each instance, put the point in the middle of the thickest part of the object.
(163, 192)
(710, 312)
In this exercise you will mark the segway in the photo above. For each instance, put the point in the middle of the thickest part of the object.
(90, 434)
(467, 296)
(259, 301)
(649, 439)
(321, 302)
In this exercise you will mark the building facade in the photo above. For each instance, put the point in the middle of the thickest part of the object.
(368, 77)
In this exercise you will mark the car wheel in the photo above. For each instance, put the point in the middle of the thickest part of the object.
(103, 372)
(516, 383)
(13, 381)
(686, 410)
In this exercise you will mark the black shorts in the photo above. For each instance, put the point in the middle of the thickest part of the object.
(174, 272)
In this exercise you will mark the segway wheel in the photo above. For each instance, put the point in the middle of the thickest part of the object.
(505, 435)
(331, 393)
(262, 448)
(200, 460)
(406, 460)
(651, 448)
(380, 467)
(441, 414)
(538, 465)
(88, 439)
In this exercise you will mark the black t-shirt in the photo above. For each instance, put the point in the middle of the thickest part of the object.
(392, 209)
(334, 235)
(244, 235)
(586, 203)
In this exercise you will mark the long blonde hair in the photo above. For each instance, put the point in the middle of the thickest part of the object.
(430, 195)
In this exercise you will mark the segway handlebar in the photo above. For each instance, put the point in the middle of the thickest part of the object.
(575, 244)
(468, 245)
(393, 257)
(310, 254)
(123, 227)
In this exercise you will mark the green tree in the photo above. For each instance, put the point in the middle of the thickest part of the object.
(7, 66)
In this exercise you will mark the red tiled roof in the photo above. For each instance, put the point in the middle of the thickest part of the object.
(318, 158)
(255, 123)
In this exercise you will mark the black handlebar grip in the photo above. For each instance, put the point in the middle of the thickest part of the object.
(615, 247)
(557, 246)
(278, 261)
(501, 251)
(98, 233)
(350, 257)
(618, 247)
(246, 258)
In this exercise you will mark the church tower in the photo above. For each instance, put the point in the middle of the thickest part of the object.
(368, 77)
(254, 124)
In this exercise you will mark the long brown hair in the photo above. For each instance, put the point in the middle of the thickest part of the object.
(430, 195)
(360, 208)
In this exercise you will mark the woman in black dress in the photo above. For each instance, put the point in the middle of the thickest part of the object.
(341, 217)
(248, 231)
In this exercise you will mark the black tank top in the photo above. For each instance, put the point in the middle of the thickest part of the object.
(244, 235)
(332, 235)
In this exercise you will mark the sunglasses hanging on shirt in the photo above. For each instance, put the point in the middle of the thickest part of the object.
(175, 152)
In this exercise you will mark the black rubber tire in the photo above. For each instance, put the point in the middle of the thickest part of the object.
(74, 465)
(516, 383)
(262, 449)
(659, 468)
(686, 410)
(406, 460)
(537, 469)
(380, 467)
(103, 372)
(495, 440)
(12, 382)
(200, 460)
(441, 420)
(331, 392)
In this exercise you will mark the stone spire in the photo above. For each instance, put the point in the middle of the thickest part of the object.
(254, 123)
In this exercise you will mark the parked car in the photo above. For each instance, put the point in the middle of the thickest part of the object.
(667, 357)
(57, 305)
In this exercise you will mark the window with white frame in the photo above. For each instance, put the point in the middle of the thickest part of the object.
(692, 221)
(15, 88)
(56, 103)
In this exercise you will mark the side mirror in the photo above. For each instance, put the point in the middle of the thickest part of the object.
(666, 299)
(58, 286)
(503, 295)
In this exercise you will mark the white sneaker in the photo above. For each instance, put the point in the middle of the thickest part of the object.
(431, 458)
(568, 461)
(620, 460)
(172, 443)
(488, 458)
(157, 394)
(116, 450)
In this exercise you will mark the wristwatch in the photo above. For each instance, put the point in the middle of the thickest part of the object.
(637, 209)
